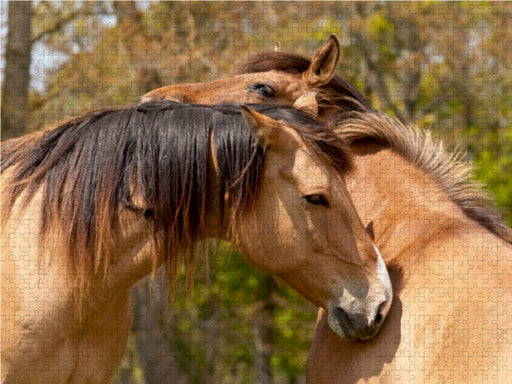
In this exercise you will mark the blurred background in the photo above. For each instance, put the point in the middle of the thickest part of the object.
(443, 66)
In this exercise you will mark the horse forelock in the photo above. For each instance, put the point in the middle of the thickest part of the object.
(449, 169)
(319, 137)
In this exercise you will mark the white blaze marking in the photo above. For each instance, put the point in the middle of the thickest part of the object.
(383, 274)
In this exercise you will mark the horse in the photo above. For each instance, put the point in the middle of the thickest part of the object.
(276, 78)
(449, 258)
(95, 204)
(435, 229)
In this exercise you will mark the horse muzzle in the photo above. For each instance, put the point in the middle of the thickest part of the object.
(354, 316)
(356, 325)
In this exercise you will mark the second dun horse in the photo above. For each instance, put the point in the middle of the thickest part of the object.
(452, 276)
(95, 204)
(449, 255)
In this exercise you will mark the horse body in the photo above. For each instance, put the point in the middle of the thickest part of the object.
(452, 279)
(97, 203)
(450, 263)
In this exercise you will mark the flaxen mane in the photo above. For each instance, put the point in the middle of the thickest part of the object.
(151, 160)
(449, 170)
(337, 91)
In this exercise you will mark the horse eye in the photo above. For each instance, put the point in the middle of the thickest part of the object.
(263, 89)
(317, 199)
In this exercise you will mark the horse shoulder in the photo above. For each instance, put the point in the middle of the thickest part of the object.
(449, 323)
(39, 311)
(33, 296)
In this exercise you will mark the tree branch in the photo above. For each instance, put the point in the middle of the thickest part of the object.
(59, 25)
(382, 88)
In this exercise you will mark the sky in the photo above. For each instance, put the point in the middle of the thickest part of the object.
(42, 58)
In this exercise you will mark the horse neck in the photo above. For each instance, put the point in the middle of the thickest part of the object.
(138, 254)
(127, 254)
(407, 207)
(135, 253)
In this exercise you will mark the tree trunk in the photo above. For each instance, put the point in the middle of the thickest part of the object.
(263, 334)
(17, 66)
(155, 355)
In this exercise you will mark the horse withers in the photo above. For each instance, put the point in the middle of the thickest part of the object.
(95, 204)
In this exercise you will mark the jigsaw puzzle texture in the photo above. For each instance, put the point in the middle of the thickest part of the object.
(354, 229)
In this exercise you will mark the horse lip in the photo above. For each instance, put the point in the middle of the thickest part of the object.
(368, 336)
(340, 323)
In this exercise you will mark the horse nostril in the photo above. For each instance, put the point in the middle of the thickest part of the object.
(380, 316)
(378, 320)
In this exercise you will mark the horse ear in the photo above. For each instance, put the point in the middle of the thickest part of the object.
(266, 130)
(324, 62)
(307, 103)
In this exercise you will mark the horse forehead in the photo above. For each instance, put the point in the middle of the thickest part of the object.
(310, 172)
(307, 166)
(297, 162)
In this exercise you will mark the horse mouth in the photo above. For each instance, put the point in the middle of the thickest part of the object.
(341, 325)
(340, 322)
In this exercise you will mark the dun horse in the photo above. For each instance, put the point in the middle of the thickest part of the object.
(450, 261)
(95, 204)
(449, 253)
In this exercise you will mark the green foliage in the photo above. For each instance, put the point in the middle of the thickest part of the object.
(379, 27)
(493, 167)
(211, 332)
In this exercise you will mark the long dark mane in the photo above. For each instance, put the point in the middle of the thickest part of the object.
(152, 160)
(337, 91)
(449, 169)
